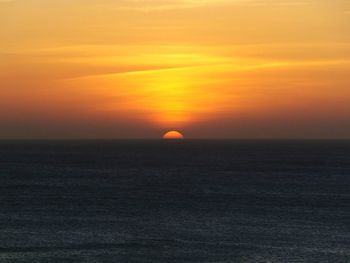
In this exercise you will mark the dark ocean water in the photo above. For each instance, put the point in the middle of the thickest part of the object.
(175, 201)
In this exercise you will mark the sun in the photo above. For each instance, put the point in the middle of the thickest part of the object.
(173, 135)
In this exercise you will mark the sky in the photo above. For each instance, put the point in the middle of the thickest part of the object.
(208, 68)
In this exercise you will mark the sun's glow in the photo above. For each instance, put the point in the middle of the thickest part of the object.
(168, 96)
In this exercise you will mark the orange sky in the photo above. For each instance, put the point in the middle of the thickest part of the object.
(209, 68)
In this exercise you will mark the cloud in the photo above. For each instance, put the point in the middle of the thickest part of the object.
(159, 5)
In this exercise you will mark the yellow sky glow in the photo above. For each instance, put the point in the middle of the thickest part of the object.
(134, 68)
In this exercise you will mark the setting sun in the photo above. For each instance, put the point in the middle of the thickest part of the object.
(173, 135)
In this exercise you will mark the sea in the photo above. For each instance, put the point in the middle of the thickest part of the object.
(157, 201)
